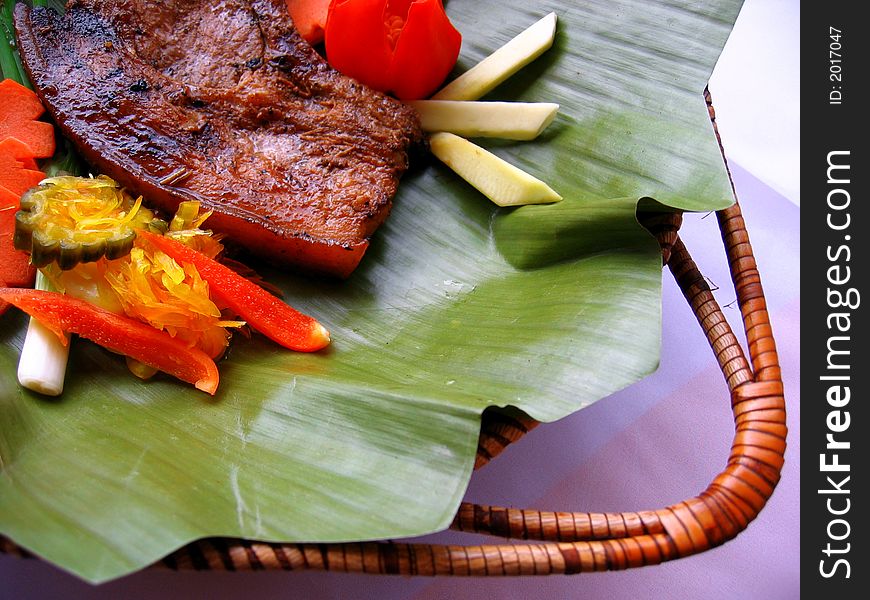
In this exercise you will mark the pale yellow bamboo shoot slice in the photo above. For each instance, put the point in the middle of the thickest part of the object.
(497, 179)
(501, 64)
(506, 120)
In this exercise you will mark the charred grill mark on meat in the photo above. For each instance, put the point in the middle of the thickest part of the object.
(224, 103)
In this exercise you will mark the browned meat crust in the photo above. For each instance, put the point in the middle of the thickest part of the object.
(224, 103)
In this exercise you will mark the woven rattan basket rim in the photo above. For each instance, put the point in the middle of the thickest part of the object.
(578, 542)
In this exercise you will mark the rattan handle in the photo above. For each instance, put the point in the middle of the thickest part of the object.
(736, 495)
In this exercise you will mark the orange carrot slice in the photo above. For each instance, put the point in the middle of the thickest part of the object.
(8, 198)
(20, 151)
(19, 110)
(15, 267)
(15, 178)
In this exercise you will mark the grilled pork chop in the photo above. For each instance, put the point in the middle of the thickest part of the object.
(223, 102)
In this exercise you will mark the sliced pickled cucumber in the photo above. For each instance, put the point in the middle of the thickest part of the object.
(70, 220)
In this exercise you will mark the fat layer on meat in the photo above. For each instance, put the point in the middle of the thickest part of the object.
(223, 102)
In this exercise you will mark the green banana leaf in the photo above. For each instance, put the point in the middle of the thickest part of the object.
(458, 305)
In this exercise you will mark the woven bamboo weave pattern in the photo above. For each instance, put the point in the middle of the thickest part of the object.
(573, 542)
(576, 542)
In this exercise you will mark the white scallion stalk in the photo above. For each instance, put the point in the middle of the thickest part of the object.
(42, 365)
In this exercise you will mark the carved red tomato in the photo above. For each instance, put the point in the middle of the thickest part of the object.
(406, 47)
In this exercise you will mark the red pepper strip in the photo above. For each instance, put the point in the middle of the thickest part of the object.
(260, 309)
(407, 47)
(150, 346)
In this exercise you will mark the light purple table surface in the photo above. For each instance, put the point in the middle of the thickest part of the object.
(655, 443)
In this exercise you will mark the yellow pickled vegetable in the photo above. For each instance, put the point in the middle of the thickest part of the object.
(72, 220)
(150, 286)
(153, 288)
